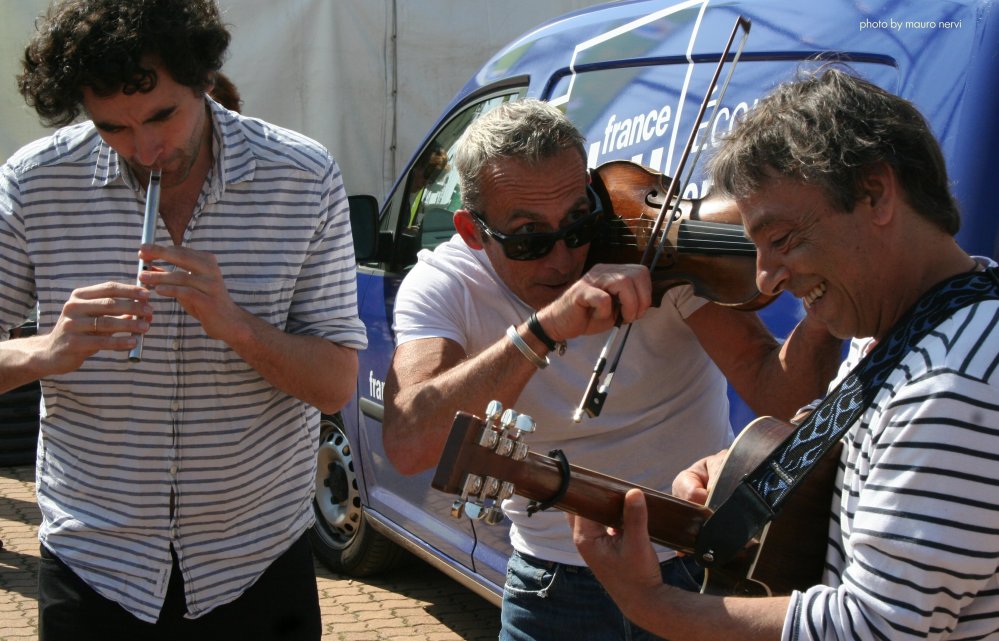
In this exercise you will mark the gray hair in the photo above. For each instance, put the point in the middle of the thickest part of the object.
(527, 130)
(829, 129)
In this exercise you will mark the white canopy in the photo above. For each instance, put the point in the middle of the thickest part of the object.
(365, 78)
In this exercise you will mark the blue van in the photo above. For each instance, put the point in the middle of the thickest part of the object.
(631, 76)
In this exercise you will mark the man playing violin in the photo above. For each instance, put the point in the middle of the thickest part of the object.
(486, 315)
(844, 190)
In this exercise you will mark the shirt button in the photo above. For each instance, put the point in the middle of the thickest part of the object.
(173, 470)
(175, 406)
(175, 345)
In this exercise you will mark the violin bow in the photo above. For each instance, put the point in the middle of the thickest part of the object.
(596, 391)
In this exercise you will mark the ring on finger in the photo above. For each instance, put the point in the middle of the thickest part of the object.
(95, 325)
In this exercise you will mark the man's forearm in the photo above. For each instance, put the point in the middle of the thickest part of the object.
(20, 362)
(687, 616)
(807, 362)
(794, 373)
(419, 413)
(310, 368)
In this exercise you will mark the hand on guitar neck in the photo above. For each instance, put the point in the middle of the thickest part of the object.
(483, 462)
(694, 483)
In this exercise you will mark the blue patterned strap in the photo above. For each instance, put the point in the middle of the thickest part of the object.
(762, 493)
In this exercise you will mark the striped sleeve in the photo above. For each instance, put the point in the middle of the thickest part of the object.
(325, 300)
(18, 294)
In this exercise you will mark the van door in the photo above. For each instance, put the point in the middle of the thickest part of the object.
(418, 216)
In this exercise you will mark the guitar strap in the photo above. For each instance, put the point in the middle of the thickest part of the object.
(761, 494)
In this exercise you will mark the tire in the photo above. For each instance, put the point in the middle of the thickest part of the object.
(342, 539)
(19, 425)
(19, 404)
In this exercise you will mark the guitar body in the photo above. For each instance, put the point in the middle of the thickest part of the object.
(788, 555)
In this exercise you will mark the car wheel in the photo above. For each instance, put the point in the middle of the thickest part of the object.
(342, 539)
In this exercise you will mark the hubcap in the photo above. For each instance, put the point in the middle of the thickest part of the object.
(337, 502)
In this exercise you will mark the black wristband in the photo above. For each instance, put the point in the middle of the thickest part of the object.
(534, 325)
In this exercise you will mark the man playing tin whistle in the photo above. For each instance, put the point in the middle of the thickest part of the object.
(175, 491)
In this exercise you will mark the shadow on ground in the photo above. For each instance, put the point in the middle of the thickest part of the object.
(458, 609)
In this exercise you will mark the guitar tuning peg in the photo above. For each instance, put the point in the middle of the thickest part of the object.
(490, 487)
(505, 447)
(492, 515)
(489, 438)
(474, 510)
(524, 423)
(507, 490)
(493, 411)
(472, 486)
(508, 419)
(521, 425)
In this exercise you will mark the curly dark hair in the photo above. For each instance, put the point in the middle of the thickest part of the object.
(109, 46)
(829, 128)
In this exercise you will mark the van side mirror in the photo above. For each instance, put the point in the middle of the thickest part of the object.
(364, 226)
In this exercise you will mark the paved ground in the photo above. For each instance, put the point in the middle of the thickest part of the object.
(415, 603)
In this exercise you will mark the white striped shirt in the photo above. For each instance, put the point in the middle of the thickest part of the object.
(914, 543)
(116, 437)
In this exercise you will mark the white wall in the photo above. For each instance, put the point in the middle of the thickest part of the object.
(330, 69)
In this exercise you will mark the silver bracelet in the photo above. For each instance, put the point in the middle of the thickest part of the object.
(525, 349)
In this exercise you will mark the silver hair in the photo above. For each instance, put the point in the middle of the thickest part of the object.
(526, 130)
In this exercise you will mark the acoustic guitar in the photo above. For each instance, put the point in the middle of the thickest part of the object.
(487, 461)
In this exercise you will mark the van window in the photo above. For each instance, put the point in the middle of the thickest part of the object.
(432, 193)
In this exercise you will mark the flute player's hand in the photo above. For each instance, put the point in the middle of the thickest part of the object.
(95, 318)
(196, 284)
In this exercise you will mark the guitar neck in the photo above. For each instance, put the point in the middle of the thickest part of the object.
(789, 555)
(672, 522)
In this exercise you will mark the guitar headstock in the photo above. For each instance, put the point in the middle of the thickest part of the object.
(479, 461)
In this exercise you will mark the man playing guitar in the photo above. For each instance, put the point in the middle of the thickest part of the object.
(844, 191)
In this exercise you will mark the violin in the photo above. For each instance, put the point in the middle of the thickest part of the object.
(702, 242)
(706, 245)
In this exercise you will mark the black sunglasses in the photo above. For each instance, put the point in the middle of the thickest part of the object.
(540, 244)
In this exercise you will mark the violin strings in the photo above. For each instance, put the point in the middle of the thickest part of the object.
(709, 237)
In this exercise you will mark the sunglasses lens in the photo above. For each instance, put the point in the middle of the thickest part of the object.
(583, 235)
(530, 248)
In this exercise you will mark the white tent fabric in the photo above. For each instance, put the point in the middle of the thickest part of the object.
(366, 78)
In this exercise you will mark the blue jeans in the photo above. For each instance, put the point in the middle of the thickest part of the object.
(543, 601)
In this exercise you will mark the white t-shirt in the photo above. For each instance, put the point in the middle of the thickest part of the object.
(666, 408)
